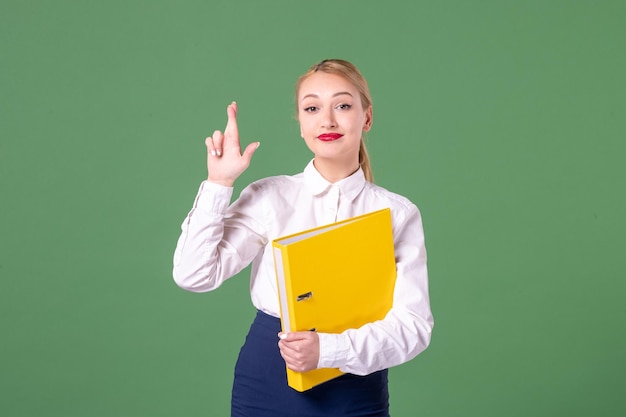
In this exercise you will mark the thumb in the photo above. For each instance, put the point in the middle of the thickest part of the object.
(250, 149)
(293, 336)
(288, 336)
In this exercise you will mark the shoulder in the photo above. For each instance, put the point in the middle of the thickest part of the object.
(272, 189)
(404, 211)
(394, 200)
(263, 200)
(276, 183)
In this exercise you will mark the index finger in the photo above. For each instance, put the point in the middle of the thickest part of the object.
(231, 130)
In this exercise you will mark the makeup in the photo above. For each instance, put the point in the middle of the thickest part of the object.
(328, 137)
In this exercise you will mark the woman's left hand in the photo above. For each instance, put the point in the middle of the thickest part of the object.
(300, 350)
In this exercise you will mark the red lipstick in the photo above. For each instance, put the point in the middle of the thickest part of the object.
(328, 137)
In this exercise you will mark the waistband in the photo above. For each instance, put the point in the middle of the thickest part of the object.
(265, 320)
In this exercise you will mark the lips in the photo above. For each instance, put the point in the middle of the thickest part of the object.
(328, 137)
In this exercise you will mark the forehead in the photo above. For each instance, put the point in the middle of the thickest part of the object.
(322, 85)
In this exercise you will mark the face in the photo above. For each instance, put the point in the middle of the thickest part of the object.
(332, 118)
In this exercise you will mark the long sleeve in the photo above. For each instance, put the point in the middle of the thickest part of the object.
(406, 330)
(217, 241)
(214, 244)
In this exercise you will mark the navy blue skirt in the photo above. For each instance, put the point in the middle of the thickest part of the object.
(260, 387)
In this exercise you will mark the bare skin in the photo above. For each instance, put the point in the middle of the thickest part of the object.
(225, 162)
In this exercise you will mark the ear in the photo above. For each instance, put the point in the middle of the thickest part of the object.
(369, 119)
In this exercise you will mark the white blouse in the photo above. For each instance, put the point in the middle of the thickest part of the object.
(218, 240)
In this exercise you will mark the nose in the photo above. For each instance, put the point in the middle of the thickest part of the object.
(328, 119)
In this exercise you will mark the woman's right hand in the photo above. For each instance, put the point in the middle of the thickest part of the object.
(225, 162)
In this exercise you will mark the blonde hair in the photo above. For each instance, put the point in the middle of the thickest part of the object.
(349, 72)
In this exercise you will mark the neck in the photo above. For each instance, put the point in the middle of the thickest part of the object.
(332, 171)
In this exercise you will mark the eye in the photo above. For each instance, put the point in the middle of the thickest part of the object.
(310, 109)
(344, 106)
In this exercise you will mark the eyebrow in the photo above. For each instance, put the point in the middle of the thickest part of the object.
(334, 95)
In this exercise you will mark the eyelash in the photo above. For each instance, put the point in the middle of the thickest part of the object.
(311, 109)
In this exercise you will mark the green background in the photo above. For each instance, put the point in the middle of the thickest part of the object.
(503, 121)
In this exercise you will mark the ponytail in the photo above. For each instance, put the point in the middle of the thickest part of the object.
(364, 162)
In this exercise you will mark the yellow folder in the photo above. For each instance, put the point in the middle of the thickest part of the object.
(333, 278)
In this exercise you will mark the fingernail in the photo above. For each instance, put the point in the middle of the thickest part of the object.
(283, 336)
(213, 153)
(219, 153)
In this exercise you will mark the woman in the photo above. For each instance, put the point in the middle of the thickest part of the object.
(334, 111)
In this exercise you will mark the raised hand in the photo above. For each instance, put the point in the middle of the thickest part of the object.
(225, 162)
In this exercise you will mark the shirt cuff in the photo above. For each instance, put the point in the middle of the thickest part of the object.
(213, 198)
(334, 350)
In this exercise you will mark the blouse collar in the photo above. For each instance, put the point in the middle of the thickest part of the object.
(349, 187)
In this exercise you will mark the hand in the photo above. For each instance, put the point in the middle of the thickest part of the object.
(300, 350)
(225, 162)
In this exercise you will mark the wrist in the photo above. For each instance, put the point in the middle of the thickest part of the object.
(224, 182)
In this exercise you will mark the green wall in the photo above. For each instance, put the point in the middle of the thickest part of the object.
(503, 120)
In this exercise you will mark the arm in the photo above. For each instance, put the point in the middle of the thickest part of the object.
(399, 337)
(211, 249)
(406, 330)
